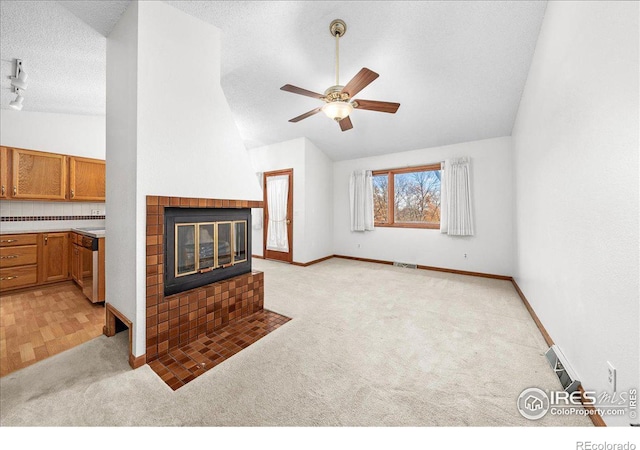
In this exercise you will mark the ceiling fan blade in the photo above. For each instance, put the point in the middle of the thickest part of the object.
(359, 82)
(307, 114)
(297, 90)
(372, 105)
(345, 124)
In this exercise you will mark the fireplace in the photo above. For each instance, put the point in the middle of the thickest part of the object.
(205, 245)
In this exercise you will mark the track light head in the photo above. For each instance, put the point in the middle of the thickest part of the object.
(17, 103)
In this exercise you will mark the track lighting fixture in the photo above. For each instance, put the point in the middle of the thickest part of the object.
(19, 84)
(20, 80)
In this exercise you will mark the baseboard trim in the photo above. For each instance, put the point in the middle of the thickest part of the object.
(437, 269)
(596, 418)
(355, 258)
(257, 256)
(532, 313)
(315, 261)
(137, 361)
(465, 272)
(109, 330)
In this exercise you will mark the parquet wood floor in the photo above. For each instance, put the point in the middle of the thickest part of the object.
(40, 322)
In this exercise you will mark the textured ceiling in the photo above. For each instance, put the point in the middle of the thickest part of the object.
(457, 68)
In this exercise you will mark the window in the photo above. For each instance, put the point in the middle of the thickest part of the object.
(416, 197)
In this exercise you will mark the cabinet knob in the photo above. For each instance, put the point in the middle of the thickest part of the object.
(46, 239)
(9, 257)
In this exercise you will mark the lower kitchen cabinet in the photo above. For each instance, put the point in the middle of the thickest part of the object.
(55, 257)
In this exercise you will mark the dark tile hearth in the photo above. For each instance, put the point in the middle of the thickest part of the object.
(185, 363)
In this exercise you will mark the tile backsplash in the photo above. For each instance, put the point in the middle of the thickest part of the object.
(13, 208)
(33, 215)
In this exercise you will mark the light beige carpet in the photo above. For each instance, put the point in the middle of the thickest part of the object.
(369, 345)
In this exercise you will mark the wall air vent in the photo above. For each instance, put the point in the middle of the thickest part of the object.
(405, 265)
(561, 367)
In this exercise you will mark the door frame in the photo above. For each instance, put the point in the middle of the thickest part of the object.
(265, 215)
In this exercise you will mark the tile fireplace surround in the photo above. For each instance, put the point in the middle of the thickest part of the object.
(179, 320)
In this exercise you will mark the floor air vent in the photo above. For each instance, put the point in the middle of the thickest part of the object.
(405, 265)
(563, 371)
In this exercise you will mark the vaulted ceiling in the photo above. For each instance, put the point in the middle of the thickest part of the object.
(457, 68)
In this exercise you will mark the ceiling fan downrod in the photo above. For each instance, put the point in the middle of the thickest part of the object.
(338, 28)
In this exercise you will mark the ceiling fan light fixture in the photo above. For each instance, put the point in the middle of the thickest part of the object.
(337, 110)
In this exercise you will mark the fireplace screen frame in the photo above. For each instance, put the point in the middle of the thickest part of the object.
(174, 281)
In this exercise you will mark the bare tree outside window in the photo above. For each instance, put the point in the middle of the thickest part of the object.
(381, 198)
(407, 197)
(417, 197)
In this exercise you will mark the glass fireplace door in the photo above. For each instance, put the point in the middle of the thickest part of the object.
(185, 251)
(206, 241)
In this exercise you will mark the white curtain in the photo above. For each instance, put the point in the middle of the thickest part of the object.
(277, 198)
(256, 213)
(361, 200)
(455, 197)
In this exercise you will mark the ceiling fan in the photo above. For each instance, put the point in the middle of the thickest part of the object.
(339, 101)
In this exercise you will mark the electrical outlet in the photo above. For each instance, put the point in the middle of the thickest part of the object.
(358, 245)
(465, 256)
(611, 376)
(95, 212)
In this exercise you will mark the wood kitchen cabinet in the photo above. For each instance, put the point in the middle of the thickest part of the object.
(18, 260)
(55, 257)
(86, 179)
(38, 175)
(4, 172)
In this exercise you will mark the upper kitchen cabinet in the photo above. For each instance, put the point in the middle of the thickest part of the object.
(4, 172)
(38, 175)
(86, 179)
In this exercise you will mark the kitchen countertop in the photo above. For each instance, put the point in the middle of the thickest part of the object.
(93, 232)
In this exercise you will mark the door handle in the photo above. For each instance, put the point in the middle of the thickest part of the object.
(46, 239)
(288, 222)
(8, 278)
(3, 189)
(9, 257)
(8, 240)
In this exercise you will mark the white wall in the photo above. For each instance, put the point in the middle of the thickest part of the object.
(121, 138)
(576, 176)
(312, 196)
(182, 138)
(489, 251)
(318, 204)
(69, 134)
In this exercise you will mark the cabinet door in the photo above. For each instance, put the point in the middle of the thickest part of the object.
(38, 175)
(55, 262)
(4, 172)
(86, 179)
(75, 264)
